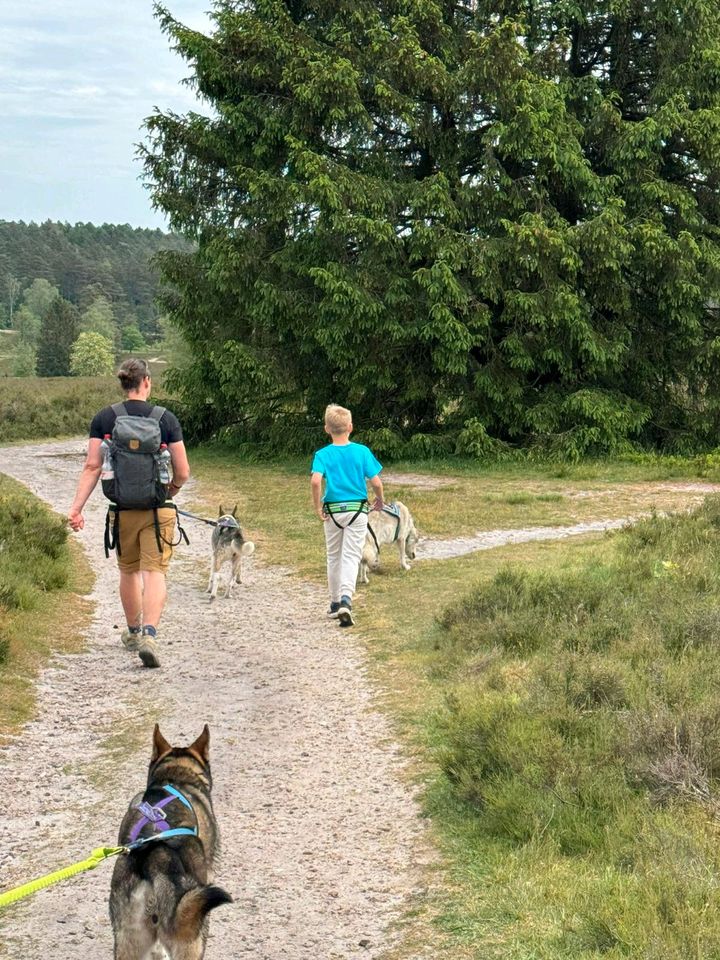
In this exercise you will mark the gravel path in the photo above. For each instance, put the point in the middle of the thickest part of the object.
(487, 539)
(323, 846)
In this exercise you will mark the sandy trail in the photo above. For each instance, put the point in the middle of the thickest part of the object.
(322, 841)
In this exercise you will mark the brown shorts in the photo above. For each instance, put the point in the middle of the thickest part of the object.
(138, 540)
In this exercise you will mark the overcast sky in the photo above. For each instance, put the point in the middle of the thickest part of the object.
(77, 78)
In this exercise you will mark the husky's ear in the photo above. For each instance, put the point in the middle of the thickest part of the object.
(160, 745)
(201, 747)
(234, 513)
(221, 511)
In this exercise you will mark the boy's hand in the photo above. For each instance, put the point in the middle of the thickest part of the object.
(323, 516)
(378, 504)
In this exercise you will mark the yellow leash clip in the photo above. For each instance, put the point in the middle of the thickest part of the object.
(27, 889)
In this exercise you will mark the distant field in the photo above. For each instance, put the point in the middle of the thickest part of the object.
(36, 408)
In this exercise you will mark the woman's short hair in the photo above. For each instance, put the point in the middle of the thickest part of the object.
(132, 373)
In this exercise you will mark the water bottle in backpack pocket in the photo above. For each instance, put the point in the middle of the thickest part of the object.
(107, 472)
(139, 468)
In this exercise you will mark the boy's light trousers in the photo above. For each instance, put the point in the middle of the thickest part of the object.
(344, 552)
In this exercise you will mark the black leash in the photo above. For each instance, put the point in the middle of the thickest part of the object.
(210, 523)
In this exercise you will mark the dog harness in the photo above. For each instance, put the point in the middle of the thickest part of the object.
(393, 510)
(359, 506)
(228, 521)
(155, 814)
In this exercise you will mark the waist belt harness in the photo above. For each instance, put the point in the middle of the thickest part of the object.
(359, 506)
(112, 529)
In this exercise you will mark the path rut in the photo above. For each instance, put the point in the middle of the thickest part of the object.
(322, 842)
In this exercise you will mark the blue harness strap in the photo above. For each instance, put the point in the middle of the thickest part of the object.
(165, 835)
(180, 797)
(155, 815)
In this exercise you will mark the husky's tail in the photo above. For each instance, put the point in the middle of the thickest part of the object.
(192, 909)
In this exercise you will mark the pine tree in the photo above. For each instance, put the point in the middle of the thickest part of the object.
(466, 220)
(59, 331)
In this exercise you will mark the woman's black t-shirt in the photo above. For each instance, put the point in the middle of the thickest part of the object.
(103, 422)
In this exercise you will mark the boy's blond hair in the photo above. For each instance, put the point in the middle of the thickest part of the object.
(337, 419)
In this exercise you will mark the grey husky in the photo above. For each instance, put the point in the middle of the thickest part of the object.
(228, 546)
(162, 891)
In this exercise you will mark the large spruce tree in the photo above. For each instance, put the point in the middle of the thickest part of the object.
(467, 220)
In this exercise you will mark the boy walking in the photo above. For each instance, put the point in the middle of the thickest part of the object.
(343, 508)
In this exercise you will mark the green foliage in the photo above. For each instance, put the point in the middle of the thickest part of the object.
(24, 361)
(581, 733)
(92, 355)
(58, 333)
(132, 339)
(35, 409)
(38, 296)
(99, 319)
(483, 226)
(33, 552)
(28, 325)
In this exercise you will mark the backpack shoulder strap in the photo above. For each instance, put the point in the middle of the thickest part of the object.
(119, 409)
(157, 413)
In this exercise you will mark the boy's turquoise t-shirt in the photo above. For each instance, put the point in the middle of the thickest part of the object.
(345, 467)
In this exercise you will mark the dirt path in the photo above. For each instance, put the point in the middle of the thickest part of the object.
(322, 839)
(487, 539)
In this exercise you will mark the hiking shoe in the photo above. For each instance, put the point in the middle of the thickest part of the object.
(130, 639)
(148, 651)
(333, 611)
(344, 613)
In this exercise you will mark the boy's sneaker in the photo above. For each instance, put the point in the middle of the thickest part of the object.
(334, 608)
(130, 639)
(148, 650)
(344, 614)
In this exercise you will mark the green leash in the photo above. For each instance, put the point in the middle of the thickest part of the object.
(27, 889)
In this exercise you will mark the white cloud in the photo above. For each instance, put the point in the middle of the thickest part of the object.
(76, 82)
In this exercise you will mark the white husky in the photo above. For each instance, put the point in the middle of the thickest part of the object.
(385, 527)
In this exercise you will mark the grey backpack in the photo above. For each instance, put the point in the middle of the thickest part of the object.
(135, 448)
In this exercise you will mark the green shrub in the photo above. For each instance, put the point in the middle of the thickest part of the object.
(33, 549)
(583, 728)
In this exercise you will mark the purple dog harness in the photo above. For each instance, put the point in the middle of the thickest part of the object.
(155, 814)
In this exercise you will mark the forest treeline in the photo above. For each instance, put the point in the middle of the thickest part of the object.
(86, 262)
(77, 296)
